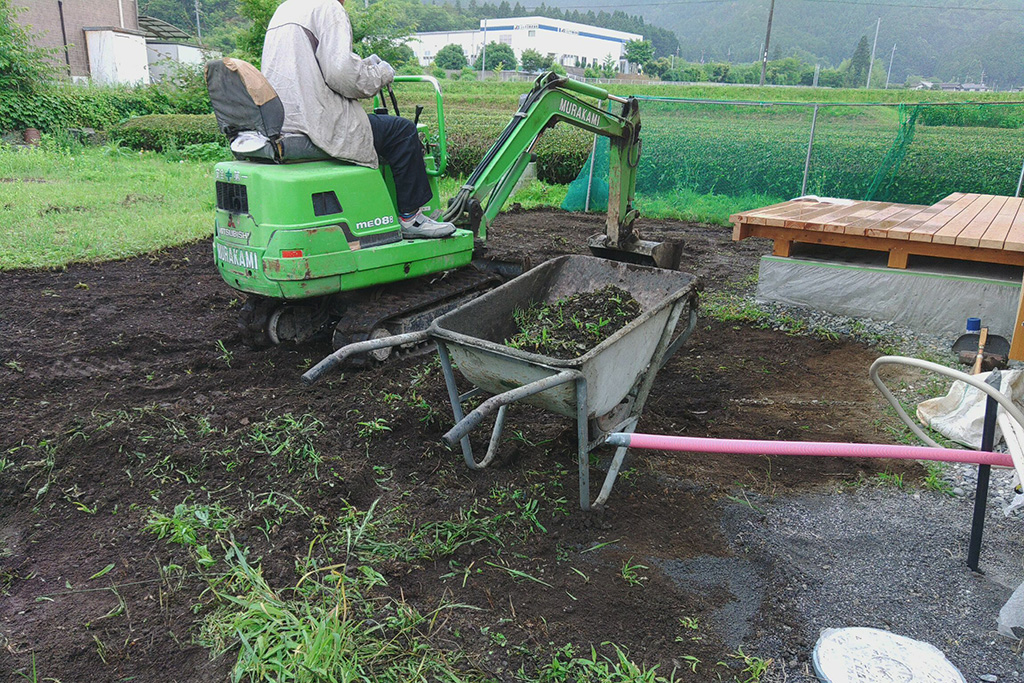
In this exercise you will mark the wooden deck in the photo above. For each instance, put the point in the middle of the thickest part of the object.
(974, 227)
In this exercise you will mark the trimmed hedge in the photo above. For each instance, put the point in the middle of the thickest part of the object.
(561, 152)
(160, 132)
(55, 107)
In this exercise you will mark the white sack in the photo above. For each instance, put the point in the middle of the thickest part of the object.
(960, 414)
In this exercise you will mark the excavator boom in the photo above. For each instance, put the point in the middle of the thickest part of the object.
(553, 99)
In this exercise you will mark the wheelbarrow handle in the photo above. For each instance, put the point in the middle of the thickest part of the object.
(335, 359)
(476, 416)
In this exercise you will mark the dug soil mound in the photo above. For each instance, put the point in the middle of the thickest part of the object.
(141, 440)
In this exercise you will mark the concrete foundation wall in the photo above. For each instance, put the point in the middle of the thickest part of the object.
(935, 296)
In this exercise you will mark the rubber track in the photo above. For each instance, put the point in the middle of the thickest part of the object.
(397, 300)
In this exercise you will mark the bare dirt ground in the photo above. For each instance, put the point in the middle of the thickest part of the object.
(126, 390)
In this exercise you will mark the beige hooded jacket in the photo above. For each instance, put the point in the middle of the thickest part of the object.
(308, 58)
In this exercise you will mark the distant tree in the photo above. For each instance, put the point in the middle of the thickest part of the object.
(608, 67)
(591, 72)
(857, 69)
(497, 53)
(718, 72)
(380, 29)
(558, 68)
(639, 51)
(657, 67)
(534, 61)
(451, 56)
(250, 42)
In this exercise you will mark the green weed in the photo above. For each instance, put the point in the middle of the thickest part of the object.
(631, 572)
(374, 427)
(187, 522)
(226, 354)
(568, 667)
(935, 479)
(291, 437)
(324, 628)
(890, 479)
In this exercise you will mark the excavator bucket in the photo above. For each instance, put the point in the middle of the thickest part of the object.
(641, 252)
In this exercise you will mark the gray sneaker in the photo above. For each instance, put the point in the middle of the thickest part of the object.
(423, 227)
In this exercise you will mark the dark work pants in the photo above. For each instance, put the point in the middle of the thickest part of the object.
(397, 143)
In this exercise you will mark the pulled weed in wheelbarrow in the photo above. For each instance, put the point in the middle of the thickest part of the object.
(570, 327)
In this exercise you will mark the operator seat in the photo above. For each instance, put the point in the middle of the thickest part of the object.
(250, 113)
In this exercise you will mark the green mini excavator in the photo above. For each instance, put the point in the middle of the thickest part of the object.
(316, 242)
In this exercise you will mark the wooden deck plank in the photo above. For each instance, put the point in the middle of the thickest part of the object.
(763, 216)
(882, 227)
(807, 220)
(949, 232)
(971, 235)
(865, 210)
(926, 231)
(903, 230)
(835, 221)
(995, 236)
(873, 218)
(1015, 237)
(742, 215)
(798, 213)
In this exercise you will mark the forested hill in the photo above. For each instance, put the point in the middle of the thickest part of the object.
(220, 22)
(948, 44)
(957, 43)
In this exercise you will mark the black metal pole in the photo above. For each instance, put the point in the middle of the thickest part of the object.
(64, 35)
(767, 39)
(981, 493)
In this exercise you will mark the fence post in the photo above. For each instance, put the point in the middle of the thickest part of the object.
(810, 144)
(1020, 181)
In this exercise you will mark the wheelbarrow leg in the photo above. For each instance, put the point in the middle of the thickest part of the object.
(582, 441)
(453, 396)
(456, 400)
(613, 469)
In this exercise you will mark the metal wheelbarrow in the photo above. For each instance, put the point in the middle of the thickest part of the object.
(605, 389)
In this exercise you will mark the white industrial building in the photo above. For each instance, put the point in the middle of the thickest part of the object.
(565, 41)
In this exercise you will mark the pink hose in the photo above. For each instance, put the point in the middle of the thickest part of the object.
(813, 448)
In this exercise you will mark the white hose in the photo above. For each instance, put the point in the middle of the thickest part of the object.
(1011, 421)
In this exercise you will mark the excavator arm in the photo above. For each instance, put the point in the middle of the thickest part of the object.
(553, 99)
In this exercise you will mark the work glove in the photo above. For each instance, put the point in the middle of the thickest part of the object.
(387, 73)
(374, 59)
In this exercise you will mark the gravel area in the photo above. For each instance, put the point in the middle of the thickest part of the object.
(885, 559)
(882, 556)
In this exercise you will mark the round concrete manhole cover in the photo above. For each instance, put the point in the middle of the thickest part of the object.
(870, 655)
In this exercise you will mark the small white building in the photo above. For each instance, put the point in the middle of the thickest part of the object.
(564, 41)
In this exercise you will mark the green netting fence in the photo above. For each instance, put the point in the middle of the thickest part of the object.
(913, 154)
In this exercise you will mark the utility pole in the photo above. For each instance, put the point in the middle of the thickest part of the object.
(767, 38)
(887, 75)
(199, 32)
(873, 46)
(483, 54)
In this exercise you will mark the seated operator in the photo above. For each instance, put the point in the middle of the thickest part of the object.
(308, 59)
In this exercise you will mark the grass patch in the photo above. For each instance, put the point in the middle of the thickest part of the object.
(324, 628)
(98, 204)
(690, 205)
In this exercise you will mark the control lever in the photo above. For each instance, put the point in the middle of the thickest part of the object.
(394, 100)
(419, 111)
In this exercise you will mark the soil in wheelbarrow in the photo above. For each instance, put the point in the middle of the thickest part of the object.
(569, 327)
(140, 439)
